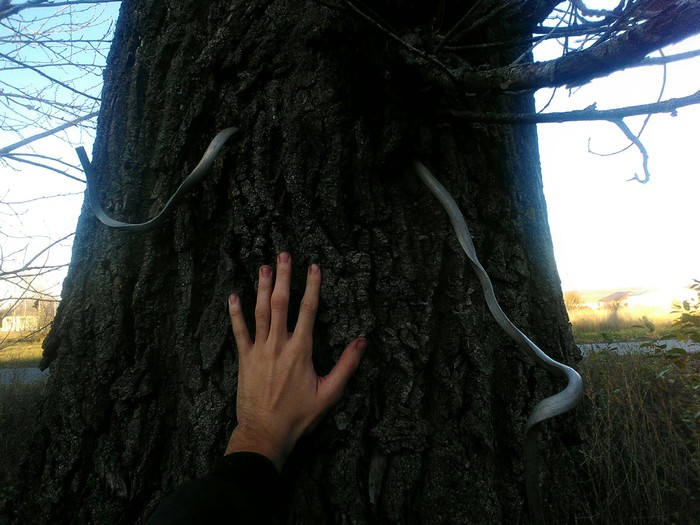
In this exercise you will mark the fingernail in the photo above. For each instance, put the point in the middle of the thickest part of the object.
(265, 271)
(362, 344)
(232, 299)
(314, 268)
(284, 257)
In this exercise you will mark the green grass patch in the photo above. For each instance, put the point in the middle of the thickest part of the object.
(20, 355)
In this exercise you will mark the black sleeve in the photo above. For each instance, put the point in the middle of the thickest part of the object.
(243, 488)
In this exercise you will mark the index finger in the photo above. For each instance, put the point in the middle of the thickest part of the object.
(309, 303)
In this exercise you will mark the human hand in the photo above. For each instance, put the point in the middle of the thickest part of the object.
(280, 396)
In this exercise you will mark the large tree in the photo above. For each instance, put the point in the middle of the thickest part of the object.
(334, 100)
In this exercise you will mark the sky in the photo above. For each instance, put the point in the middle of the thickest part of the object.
(26, 228)
(608, 233)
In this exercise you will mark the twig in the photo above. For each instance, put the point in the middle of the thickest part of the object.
(16, 8)
(644, 124)
(635, 140)
(590, 113)
(39, 72)
(7, 149)
(17, 158)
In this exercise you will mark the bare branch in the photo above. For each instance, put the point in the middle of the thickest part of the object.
(45, 197)
(458, 26)
(26, 270)
(49, 299)
(391, 34)
(644, 124)
(635, 140)
(18, 158)
(27, 265)
(38, 71)
(658, 61)
(7, 149)
(590, 113)
(14, 9)
(673, 24)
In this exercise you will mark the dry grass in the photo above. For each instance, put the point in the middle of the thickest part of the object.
(18, 402)
(642, 457)
(619, 323)
(20, 355)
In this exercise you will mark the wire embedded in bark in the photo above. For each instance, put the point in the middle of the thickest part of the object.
(197, 174)
(547, 408)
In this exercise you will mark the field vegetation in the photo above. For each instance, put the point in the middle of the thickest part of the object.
(19, 350)
(620, 321)
(640, 458)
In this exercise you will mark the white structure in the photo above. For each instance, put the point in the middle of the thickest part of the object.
(20, 323)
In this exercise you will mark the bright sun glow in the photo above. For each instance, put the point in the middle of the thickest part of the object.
(610, 233)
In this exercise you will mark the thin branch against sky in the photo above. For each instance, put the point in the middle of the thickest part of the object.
(52, 55)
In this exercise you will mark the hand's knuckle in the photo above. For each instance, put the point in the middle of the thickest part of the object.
(308, 306)
(262, 316)
(279, 302)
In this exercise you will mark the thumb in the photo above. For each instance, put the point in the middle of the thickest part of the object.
(334, 383)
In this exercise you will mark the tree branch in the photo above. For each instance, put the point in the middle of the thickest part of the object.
(659, 61)
(14, 9)
(24, 65)
(7, 149)
(590, 113)
(635, 140)
(673, 24)
(398, 39)
(26, 271)
(28, 265)
(18, 158)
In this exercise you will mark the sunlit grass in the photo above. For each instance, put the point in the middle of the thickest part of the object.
(641, 453)
(591, 325)
(20, 355)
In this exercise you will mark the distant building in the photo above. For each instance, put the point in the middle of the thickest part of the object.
(28, 315)
(615, 299)
(20, 323)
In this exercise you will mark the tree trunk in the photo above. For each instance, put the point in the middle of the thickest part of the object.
(141, 394)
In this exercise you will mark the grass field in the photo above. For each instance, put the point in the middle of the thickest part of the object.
(621, 324)
(19, 352)
(641, 456)
(640, 315)
(21, 355)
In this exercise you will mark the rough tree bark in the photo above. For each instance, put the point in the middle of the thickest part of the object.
(141, 394)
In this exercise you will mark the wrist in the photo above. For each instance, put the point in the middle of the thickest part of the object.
(244, 439)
